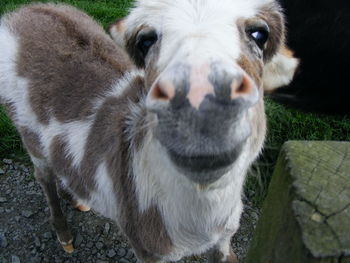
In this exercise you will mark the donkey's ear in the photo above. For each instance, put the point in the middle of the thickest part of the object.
(116, 30)
(280, 70)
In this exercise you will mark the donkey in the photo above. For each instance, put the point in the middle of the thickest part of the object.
(160, 142)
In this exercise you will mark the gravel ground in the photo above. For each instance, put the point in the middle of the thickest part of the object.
(26, 235)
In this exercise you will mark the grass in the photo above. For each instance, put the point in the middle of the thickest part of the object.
(287, 124)
(105, 11)
(283, 123)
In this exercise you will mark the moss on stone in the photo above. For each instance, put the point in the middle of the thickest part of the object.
(306, 215)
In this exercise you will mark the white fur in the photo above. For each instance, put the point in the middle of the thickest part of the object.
(206, 27)
(76, 136)
(117, 36)
(279, 71)
(13, 89)
(103, 199)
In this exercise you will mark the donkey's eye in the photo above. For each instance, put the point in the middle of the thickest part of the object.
(259, 35)
(146, 41)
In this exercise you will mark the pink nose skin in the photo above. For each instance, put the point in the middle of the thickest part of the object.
(241, 86)
(199, 85)
(162, 91)
(204, 81)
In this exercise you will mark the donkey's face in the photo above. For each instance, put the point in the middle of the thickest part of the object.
(204, 63)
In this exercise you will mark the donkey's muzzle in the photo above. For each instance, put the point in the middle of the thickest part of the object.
(202, 117)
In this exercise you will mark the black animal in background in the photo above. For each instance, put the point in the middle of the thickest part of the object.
(318, 32)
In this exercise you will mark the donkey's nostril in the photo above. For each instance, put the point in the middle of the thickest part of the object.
(240, 87)
(163, 91)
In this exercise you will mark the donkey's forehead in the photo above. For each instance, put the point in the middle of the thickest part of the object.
(163, 13)
(198, 30)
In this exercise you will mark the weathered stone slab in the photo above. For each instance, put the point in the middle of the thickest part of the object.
(306, 215)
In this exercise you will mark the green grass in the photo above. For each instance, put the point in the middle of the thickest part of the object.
(287, 124)
(10, 143)
(105, 11)
(283, 124)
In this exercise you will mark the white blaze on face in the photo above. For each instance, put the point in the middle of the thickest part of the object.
(194, 29)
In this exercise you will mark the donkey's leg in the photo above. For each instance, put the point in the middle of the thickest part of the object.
(222, 252)
(47, 181)
(66, 195)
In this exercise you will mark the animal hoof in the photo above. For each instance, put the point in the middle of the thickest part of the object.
(68, 248)
(83, 208)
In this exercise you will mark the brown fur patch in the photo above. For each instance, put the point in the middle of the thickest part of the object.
(68, 59)
(32, 142)
(272, 14)
(287, 52)
(80, 181)
(252, 66)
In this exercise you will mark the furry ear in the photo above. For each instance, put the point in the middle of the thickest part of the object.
(116, 30)
(280, 70)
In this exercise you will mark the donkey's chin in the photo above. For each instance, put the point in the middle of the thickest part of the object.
(208, 168)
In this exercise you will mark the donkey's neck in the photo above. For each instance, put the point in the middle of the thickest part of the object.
(197, 210)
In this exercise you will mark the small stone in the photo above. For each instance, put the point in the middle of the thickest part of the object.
(2, 171)
(78, 240)
(255, 216)
(2, 210)
(3, 241)
(107, 228)
(317, 217)
(47, 235)
(27, 213)
(7, 161)
(123, 260)
(121, 252)
(17, 218)
(42, 247)
(3, 200)
(101, 261)
(90, 245)
(37, 241)
(99, 245)
(130, 254)
(111, 253)
(15, 259)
